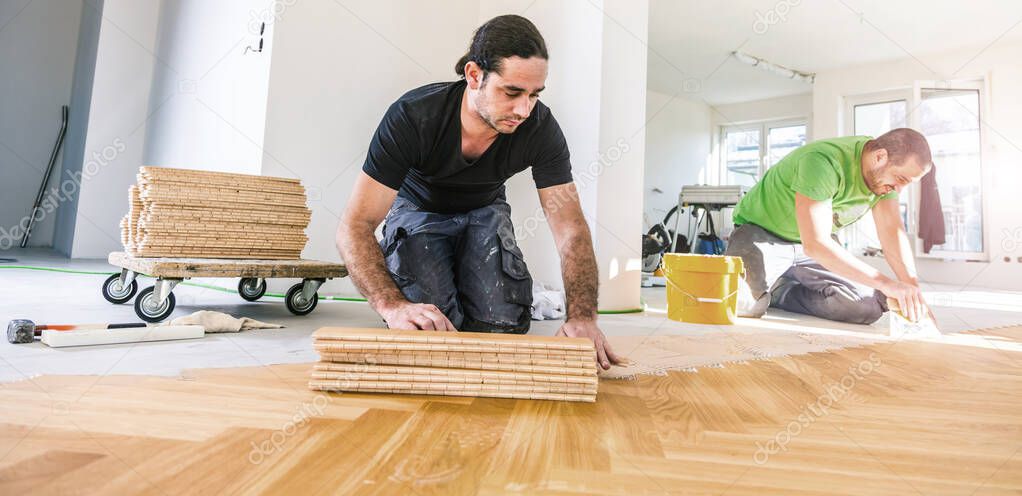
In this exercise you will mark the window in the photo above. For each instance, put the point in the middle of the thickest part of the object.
(950, 121)
(749, 150)
(949, 118)
(874, 119)
(782, 140)
(741, 155)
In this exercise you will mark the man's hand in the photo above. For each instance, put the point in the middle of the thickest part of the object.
(909, 297)
(578, 328)
(408, 315)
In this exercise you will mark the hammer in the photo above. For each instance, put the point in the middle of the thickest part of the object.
(25, 331)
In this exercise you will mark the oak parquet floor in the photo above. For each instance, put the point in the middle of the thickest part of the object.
(926, 419)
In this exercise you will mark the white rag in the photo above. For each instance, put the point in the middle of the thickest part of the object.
(547, 302)
(222, 322)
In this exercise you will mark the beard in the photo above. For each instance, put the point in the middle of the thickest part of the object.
(481, 104)
(875, 182)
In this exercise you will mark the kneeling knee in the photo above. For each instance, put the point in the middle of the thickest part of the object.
(865, 312)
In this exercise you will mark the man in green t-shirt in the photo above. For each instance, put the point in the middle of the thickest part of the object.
(785, 229)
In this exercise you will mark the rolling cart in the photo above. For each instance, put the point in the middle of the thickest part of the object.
(156, 302)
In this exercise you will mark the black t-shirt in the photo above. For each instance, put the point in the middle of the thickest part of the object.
(417, 151)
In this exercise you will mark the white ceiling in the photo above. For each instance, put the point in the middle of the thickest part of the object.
(690, 40)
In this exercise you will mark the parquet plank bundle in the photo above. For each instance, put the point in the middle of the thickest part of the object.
(455, 364)
(200, 214)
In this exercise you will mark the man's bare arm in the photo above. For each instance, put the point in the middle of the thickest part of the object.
(894, 240)
(579, 271)
(357, 245)
(815, 221)
(898, 250)
(575, 246)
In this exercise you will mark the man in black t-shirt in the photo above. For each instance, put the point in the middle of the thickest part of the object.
(435, 175)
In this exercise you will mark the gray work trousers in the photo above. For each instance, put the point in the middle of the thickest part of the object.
(779, 274)
(468, 265)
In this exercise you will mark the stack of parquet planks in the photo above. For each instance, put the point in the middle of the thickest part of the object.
(201, 214)
(454, 364)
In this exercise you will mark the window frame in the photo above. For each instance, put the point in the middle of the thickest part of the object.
(763, 127)
(913, 99)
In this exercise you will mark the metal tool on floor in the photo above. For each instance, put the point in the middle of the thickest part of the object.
(24, 330)
(46, 176)
(57, 336)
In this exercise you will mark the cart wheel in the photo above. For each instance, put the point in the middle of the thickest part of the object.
(297, 304)
(249, 290)
(149, 310)
(117, 293)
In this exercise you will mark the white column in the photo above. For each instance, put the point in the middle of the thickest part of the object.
(118, 114)
(618, 222)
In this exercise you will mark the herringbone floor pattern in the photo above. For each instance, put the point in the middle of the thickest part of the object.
(903, 418)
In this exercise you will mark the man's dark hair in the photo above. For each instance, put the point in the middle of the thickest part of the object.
(500, 38)
(901, 144)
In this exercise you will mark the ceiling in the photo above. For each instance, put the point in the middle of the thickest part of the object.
(690, 40)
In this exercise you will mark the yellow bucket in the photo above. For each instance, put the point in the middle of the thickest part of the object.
(702, 289)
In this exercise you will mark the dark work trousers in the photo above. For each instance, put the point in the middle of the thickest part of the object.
(779, 274)
(468, 265)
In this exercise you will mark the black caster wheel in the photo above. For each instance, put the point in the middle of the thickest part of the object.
(117, 293)
(149, 310)
(297, 304)
(251, 288)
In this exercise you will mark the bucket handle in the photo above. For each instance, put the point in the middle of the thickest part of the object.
(664, 269)
(700, 299)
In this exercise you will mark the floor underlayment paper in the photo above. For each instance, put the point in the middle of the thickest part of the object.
(655, 355)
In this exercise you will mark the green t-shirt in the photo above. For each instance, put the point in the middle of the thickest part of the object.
(823, 170)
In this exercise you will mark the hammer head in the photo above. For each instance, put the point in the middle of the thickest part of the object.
(20, 331)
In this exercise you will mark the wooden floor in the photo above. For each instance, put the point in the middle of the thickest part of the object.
(910, 418)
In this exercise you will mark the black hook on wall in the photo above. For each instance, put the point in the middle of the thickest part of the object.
(262, 29)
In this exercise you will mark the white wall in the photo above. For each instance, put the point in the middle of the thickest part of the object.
(38, 41)
(208, 100)
(117, 120)
(785, 107)
(678, 152)
(1002, 125)
(336, 68)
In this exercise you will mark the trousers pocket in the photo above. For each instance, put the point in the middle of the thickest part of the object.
(396, 257)
(517, 280)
